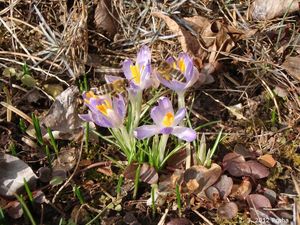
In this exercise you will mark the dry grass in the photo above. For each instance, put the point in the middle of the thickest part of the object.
(60, 43)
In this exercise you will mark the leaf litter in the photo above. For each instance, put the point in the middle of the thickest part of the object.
(243, 56)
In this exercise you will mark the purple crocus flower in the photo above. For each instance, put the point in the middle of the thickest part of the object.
(166, 122)
(139, 73)
(103, 110)
(184, 63)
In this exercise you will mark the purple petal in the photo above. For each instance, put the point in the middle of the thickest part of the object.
(119, 106)
(102, 121)
(166, 130)
(157, 115)
(173, 85)
(188, 62)
(165, 105)
(86, 117)
(146, 131)
(184, 133)
(110, 78)
(126, 69)
(179, 116)
(194, 78)
(144, 55)
(146, 81)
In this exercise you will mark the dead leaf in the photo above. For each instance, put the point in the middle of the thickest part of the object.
(13, 172)
(179, 221)
(14, 209)
(270, 194)
(104, 19)
(228, 210)
(66, 159)
(147, 173)
(258, 201)
(39, 197)
(242, 150)
(281, 92)
(232, 157)
(291, 65)
(188, 42)
(105, 170)
(267, 160)
(199, 178)
(212, 193)
(269, 9)
(243, 190)
(238, 169)
(45, 174)
(62, 117)
(224, 185)
(258, 171)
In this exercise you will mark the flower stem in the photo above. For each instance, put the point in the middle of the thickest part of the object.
(181, 104)
(128, 141)
(162, 147)
(137, 109)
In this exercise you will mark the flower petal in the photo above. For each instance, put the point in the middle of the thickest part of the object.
(144, 55)
(146, 131)
(126, 69)
(194, 78)
(110, 78)
(166, 130)
(119, 106)
(146, 80)
(86, 117)
(184, 133)
(165, 104)
(174, 85)
(179, 116)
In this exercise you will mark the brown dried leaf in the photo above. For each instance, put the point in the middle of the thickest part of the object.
(14, 209)
(179, 221)
(258, 201)
(199, 178)
(189, 43)
(258, 170)
(242, 150)
(224, 185)
(45, 174)
(63, 117)
(232, 157)
(228, 210)
(238, 169)
(267, 160)
(39, 197)
(212, 193)
(105, 170)
(147, 173)
(103, 17)
(291, 65)
(269, 9)
(13, 172)
(66, 159)
(241, 191)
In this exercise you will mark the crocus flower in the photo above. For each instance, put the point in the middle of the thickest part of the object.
(184, 63)
(166, 122)
(103, 110)
(139, 73)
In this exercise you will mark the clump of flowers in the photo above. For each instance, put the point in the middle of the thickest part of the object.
(123, 119)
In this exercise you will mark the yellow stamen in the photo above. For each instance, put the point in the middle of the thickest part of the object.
(105, 107)
(89, 95)
(181, 65)
(168, 119)
(136, 75)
